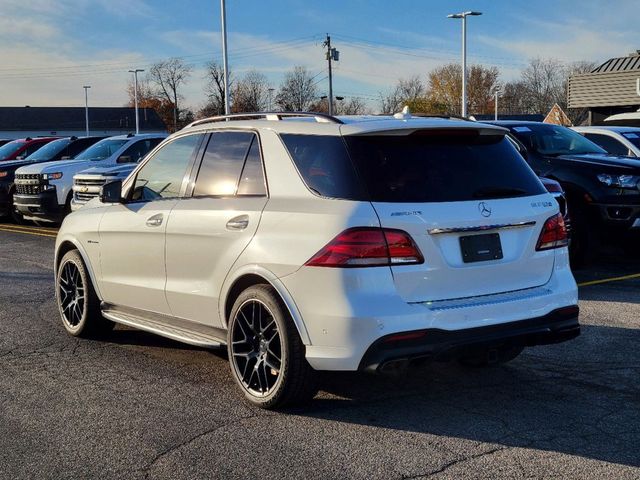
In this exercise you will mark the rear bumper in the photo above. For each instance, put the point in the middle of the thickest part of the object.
(433, 344)
(43, 206)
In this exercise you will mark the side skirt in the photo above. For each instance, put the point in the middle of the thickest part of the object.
(166, 326)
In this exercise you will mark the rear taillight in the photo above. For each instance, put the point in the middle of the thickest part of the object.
(554, 234)
(368, 247)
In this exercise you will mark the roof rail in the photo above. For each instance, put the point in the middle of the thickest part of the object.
(435, 115)
(276, 116)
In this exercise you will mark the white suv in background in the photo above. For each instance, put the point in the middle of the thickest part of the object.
(44, 190)
(310, 242)
(623, 141)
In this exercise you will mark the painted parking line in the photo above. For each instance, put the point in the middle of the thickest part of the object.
(608, 280)
(28, 231)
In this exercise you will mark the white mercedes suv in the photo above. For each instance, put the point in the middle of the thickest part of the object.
(305, 242)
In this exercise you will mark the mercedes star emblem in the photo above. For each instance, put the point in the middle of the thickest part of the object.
(485, 210)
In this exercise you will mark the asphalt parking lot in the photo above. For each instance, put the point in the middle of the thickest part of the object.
(137, 406)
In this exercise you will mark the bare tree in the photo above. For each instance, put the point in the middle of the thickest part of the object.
(445, 87)
(251, 93)
(298, 90)
(149, 99)
(168, 76)
(352, 106)
(214, 89)
(543, 80)
(513, 99)
(407, 90)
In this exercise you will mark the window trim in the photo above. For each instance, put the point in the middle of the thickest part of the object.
(191, 186)
(127, 187)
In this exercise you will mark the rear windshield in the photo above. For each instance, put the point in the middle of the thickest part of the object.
(438, 167)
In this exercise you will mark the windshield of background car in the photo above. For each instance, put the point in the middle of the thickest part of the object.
(633, 137)
(554, 140)
(8, 149)
(430, 166)
(101, 150)
(50, 150)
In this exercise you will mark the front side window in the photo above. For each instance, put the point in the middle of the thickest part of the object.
(162, 176)
(138, 150)
(610, 144)
(222, 164)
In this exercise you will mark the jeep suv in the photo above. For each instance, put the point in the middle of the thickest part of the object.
(63, 148)
(44, 191)
(307, 242)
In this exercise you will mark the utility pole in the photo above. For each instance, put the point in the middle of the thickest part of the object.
(497, 92)
(225, 59)
(86, 107)
(464, 16)
(135, 94)
(332, 54)
(271, 90)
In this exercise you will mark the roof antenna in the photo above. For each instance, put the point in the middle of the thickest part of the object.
(404, 115)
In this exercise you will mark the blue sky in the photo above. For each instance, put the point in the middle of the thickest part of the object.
(50, 48)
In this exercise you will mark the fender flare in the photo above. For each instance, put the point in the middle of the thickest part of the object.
(277, 285)
(85, 258)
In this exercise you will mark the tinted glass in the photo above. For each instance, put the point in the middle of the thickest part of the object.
(554, 140)
(324, 164)
(222, 163)
(162, 175)
(441, 167)
(252, 178)
(633, 137)
(610, 144)
(50, 151)
(8, 149)
(80, 145)
(103, 149)
(32, 148)
(138, 150)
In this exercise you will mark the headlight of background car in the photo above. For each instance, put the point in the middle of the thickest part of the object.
(3, 174)
(52, 176)
(619, 181)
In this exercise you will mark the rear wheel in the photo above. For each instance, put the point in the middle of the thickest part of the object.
(485, 357)
(266, 354)
(78, 303)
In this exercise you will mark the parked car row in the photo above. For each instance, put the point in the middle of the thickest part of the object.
(38, 186)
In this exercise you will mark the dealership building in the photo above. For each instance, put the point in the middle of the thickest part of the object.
(612, 88)
(20, 122)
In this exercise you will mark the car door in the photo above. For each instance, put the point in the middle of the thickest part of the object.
(132, 234)
(209, 230)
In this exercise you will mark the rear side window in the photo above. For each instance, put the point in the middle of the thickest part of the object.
(324, 164)
(222, 163)
(610, 144)
(441, 167)
(252, 178)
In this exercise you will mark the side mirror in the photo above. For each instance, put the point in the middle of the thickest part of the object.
(111, 192)
(124, 159)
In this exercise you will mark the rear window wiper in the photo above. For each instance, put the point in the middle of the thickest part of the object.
(499, 192)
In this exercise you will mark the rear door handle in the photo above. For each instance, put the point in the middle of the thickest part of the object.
(155, 220)
(238, 223)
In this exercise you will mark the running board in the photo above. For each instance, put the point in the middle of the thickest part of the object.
(166, 326)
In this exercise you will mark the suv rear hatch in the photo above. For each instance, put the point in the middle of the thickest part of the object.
(472, 205)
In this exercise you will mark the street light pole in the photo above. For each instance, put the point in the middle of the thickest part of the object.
(497, 93)
(135, 94)
(225, 59)
(463, 16)
(86, 108)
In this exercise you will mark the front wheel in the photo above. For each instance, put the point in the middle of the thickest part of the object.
(266, 354)
(78, 303)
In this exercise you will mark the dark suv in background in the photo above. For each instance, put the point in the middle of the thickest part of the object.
(59, 149)
(603, 190)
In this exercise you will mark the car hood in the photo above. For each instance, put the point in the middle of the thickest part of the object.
(603, 159)
(13, 164)
(57, 166)
(118, 170)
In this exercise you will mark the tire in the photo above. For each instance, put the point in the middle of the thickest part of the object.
(78, 304)
(486, 357)
(266, 354)
(585, 240)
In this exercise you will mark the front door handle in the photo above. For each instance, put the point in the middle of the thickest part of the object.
(155, 220)
(238, 223)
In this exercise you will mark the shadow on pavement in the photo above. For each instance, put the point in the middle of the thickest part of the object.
(580, 398)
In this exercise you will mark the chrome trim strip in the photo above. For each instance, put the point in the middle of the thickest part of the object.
(485, 300)
(481, 228)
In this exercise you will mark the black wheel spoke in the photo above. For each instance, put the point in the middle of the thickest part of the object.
(255, 347)
(72, 294)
